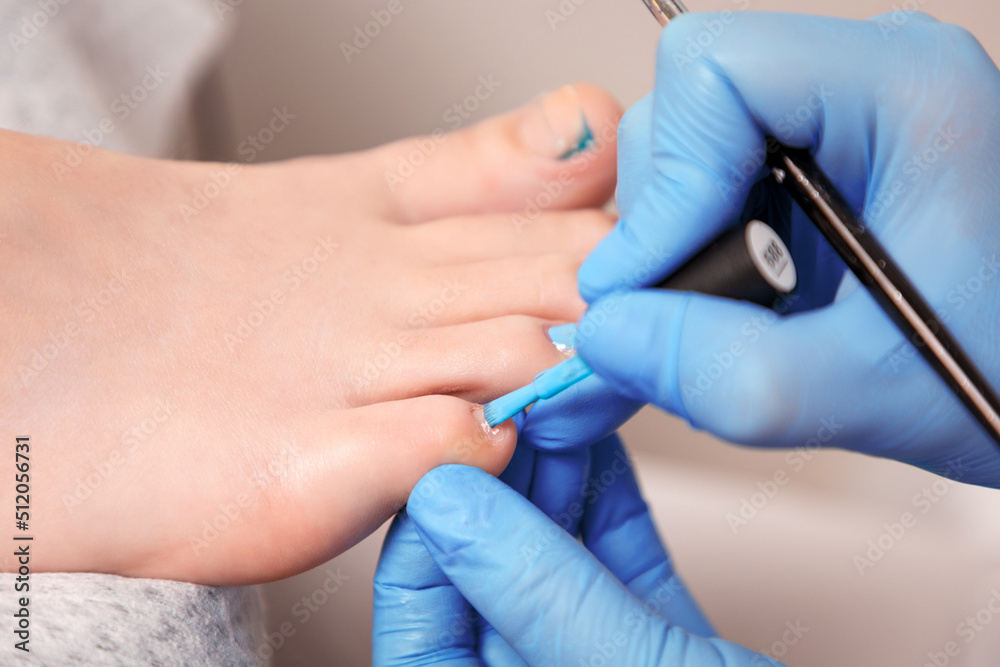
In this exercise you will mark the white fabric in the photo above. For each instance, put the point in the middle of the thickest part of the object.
(99, 619)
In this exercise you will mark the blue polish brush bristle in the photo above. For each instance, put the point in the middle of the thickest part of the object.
(500, 410)
(546, 384)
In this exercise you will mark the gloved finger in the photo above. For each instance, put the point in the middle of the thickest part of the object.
(419, 617)
(558, 484)
(732, 368)
(494, 649)
(577, 417)
(713, 108)
(550, 599)
(635, 157)
(519, 475)
(824, 378)
(521, 469)
(616, 514)
(765, 202)
(552, 482)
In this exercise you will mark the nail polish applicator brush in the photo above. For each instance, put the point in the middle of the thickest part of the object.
(747, 263)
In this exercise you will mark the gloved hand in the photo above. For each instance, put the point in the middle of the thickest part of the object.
(577, 417)
(473, 573)
(903, 113)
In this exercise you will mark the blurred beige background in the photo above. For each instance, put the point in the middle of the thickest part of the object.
(793, 563)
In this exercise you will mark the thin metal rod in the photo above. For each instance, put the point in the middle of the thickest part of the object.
(886, 282)
(665, 10)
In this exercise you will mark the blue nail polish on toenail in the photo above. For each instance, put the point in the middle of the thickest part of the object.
(563, 337)
(586, 141)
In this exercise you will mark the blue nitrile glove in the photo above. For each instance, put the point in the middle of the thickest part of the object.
(903, 113)
(474, 573)
(578, 417)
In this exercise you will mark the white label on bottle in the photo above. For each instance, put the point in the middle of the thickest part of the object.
(771, 256)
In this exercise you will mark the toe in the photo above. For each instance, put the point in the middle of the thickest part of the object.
(557, 152)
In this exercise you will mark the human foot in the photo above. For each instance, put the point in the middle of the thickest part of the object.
(235, 388)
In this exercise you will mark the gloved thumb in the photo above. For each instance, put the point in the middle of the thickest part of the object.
(551, 600)
(740, 371)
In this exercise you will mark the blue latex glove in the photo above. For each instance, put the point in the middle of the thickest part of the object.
(474, 573)
(903, 113)
(578, 417)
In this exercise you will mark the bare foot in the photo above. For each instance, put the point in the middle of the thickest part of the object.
(231, 375)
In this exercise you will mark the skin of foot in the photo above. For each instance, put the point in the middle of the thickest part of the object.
(230, 374)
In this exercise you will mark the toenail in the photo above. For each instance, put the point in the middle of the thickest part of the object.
(563, 337)
(554, 126)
